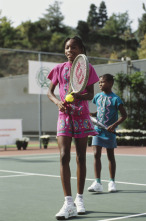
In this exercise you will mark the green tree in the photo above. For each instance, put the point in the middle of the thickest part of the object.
(142, 25)
(57, 42)
(54, 17)
(34, 35)
(93, 17)
(117, 24)
(121, 80)
(131, 88)
(8, 35)
(25, 34)
(102, 15)
(83, 30)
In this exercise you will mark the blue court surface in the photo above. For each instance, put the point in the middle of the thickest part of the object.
(31, 190)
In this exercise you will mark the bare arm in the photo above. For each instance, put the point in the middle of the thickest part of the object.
(86, 96)
(54, 99)
(123, 113)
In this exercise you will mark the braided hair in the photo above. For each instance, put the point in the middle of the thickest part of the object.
(78, 42)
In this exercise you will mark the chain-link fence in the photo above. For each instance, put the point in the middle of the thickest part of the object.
(16, 102)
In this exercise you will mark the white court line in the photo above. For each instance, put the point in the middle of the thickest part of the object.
(29, 174)
(123, 217)
(55, 176)
(47, 175)
(14, 176)
(126, 183)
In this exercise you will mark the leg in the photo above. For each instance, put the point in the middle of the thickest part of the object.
(112, 170)
(69, 209)
(97, 161)
(96, 185)
(112, 163)
(81, 146)
(64, 144)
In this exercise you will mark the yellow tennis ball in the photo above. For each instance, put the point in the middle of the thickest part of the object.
(69, 98)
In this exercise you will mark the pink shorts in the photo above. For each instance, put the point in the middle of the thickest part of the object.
(75, 126)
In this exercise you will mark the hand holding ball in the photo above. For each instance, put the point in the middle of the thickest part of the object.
(69, 98)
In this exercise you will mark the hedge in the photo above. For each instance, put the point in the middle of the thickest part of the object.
(135, 137)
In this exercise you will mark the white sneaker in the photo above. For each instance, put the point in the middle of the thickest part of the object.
(112, 186)
(95, 187)
(67, 211)
(80, 206)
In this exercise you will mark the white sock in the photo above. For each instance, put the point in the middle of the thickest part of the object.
(69, 200)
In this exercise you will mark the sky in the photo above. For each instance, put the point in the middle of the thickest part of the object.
(19, 11)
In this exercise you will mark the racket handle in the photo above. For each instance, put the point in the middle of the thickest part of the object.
(65, 103)
(94, 120)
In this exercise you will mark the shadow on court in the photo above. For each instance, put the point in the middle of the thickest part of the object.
(27, 160)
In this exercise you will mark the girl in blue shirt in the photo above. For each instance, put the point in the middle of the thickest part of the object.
(108, 104)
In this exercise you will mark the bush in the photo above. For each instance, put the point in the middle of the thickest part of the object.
(131, 137)
(22, 143)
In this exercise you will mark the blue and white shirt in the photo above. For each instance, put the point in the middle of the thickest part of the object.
(107, 107)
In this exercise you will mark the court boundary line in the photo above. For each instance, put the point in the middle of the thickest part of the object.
(123, 217)
(14, 176)
(72, 153)
(58, 176)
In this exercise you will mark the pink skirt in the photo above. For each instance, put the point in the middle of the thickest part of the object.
(75, 126)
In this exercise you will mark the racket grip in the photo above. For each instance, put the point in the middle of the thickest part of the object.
(65, 103)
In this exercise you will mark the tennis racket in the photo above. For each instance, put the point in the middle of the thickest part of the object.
(79, 74)
(99, 124)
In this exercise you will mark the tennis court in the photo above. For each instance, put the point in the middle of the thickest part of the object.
(30, 186)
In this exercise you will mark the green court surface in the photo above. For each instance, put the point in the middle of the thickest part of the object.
(30, 189)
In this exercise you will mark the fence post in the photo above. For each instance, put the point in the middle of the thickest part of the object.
(40, 110)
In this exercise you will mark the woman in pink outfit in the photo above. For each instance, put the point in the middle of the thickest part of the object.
(73, 121)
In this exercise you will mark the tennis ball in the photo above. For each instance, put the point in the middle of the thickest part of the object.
(69, 98)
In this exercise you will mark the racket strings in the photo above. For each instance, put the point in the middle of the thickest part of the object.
(79, 75)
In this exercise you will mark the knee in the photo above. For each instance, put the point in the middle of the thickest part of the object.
(97, 155)
(64, 158)
(111, 159)
(111, 156)
(81, 159)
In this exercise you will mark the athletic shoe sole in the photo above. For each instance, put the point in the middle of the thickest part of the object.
(93, 191)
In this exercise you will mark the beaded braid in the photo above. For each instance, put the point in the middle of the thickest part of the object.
(78, 41)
